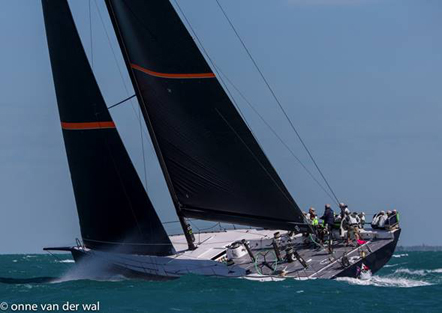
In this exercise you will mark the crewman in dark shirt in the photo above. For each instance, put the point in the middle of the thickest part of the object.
(328, 217)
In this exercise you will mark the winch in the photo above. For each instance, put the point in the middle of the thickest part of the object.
(236, 250)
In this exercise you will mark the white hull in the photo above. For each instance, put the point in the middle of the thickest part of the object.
(209, 259)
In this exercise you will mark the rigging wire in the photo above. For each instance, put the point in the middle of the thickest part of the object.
(90, 35)
(200, 230)
(171, 222)
(287, 197)
(58, 260)
(277, 101)
(220, 77)
(127, 93)
(111, 47)
(276, 134)
(92, 62)
(122, 101)
(142, 148)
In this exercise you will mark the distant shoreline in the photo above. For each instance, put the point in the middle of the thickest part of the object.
(419, 248)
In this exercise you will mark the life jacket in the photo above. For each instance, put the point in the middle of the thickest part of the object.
(382, 220)
(375, 220)
(353, 219)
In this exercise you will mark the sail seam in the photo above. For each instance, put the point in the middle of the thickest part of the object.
(172, 75)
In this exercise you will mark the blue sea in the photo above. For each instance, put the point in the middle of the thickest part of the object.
(411, 282)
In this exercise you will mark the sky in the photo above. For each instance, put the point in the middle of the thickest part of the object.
(360, 80)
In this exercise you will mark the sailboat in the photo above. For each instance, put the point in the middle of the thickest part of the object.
(214, 168)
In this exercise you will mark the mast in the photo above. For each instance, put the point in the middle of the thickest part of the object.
(184, 225)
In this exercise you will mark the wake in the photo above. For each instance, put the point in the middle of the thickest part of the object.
(400, 278)
(65, 261)
(379, 281)
(89, 269)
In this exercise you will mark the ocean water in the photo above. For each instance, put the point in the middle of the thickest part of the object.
(411, 282)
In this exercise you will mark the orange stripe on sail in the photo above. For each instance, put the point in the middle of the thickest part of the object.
(167, 75)
(85, 126)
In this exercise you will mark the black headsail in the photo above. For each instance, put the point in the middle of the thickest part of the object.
(214, 166)
(114, 209)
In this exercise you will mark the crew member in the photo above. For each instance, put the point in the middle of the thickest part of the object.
(362, 218)
(382, 220)
(393, 219)
(375, 220)
(313, 217)
(353, 221)
(328, 217)
(343, 206)
(379, 220)
(397, 214)
(343, 226)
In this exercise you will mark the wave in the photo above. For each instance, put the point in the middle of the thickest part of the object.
(65, 261)
(379, 281)
(410, 272)
(418, 272)
(400, 255)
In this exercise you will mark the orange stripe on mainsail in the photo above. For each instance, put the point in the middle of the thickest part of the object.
(90, 125)
(167, 75)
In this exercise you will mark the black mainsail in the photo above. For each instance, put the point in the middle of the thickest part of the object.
(113, 207)
(214, 167)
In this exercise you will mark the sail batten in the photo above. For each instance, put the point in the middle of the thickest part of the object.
(210, 158)
(114, 210)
